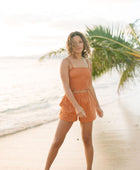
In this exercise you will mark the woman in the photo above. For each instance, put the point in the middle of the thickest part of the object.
(80, 101)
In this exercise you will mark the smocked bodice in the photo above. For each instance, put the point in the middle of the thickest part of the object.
(79, 78)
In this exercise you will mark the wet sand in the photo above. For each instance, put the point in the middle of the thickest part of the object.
(116, 139)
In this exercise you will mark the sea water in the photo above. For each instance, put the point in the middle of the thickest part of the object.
(31, 90)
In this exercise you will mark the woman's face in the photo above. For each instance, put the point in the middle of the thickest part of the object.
(77, 44)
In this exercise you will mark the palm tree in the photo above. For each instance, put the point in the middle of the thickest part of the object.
(111, 49)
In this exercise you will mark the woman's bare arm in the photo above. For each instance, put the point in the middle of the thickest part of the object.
(64, 73)
(92, 89)
(98, 108)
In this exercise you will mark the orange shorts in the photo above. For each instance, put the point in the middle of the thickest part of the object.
(68, 113)
(73, 117)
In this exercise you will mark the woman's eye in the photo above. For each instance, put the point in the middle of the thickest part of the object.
(75, 43)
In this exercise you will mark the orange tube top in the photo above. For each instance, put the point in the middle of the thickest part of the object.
(79, 78)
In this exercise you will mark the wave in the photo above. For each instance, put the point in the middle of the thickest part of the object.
(14, 130)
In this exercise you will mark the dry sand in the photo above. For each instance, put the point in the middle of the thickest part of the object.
(116, 140)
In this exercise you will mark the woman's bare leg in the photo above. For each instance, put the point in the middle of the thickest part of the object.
(62, 129)
(87, 140)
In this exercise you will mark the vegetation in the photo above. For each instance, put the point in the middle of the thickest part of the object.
(52, 53)
(113, 49)
(118, 50)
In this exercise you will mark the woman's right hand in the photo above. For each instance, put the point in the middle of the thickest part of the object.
(80, 111)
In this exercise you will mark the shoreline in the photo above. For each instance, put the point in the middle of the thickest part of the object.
(27, 128)
(115, 139)
(7, 132)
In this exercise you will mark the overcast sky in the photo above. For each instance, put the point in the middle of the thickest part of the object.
(34, 27)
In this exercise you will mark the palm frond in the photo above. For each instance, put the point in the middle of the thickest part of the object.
(112, 51)
(135, 37)
(134, 29)
(129, 74)
(52, 53)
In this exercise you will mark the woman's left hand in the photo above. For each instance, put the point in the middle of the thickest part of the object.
(99, 111)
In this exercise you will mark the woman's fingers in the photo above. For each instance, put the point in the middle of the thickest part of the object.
(100, 112)
(82, 114)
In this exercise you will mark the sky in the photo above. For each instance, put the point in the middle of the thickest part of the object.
(35, 27)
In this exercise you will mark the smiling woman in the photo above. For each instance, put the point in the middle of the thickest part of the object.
(79, 102)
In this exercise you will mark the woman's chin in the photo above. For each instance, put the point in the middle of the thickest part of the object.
(78, 51)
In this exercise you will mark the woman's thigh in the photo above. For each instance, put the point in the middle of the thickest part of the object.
(62, 129)
(86, 130)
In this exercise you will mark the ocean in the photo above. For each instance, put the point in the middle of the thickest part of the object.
(31, 90)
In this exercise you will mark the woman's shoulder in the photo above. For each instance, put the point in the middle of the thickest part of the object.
(65, 61)
(89, 62)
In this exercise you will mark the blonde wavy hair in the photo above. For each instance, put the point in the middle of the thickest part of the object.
(69, 44)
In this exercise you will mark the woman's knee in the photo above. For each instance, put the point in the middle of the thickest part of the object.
(87, 140)
(57, 142)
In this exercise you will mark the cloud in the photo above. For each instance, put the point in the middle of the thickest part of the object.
(45, 24)
(24, 19)
(80, 23)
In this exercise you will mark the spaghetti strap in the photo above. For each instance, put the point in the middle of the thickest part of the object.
(87, 62)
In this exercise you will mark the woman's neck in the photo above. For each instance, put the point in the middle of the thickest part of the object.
(77, 56)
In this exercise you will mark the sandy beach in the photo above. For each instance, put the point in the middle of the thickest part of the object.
(115, 137)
